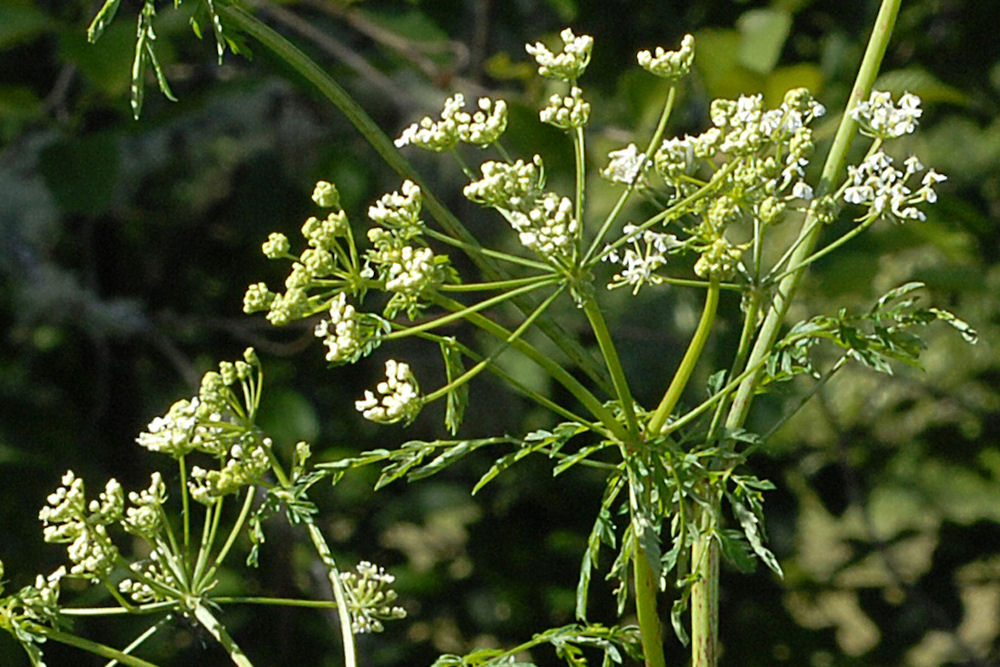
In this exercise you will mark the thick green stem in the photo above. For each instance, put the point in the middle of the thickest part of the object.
(786, 289)
(705, 593)
(217, 630)
(646, 589)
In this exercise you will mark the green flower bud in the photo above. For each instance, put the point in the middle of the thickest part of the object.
(325, 194)
(276, 245)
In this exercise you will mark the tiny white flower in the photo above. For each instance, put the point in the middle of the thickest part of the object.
(802, 190)
(624, 164)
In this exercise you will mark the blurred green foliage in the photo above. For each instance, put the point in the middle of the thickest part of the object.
(127, 246)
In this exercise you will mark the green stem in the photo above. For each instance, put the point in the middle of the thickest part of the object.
(786, 289)
(146, 634)
(488, 252)
(555, 371)
(218, 631)
(466, 311)
(339, 595)
(331, 90)
(514, 383)
(149, 608)
(580, 163)
(185, 505)
(673, 394)
(231, 538)
(825, 250)
(646, 588)
(481, 365)
(613, 362)
(705, 592)
(102, 650)
(492, 286)
(275, 602)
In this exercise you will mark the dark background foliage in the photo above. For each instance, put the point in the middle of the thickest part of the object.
(127, 245)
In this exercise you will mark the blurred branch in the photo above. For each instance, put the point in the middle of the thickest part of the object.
(410, 50)
(333, 47)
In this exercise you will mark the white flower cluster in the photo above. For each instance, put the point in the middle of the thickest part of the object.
(481, 128)
(247, 463)
(669, 64)
(324, 257)
(258, 298)
(875, 183)
(68, 518)
(568, 64)
(747, 125)
(624, 165)
(879, 117)
(370, 598)
(187, 426)
(719, 260)
(435, 135)
(398, 396)
(549, 227)
(508, 186)
(566, 112)
(172, 433)
(152, 570)
(39, 602)
(776, 142)
(639, 264)
(676, 156)
(400, 211)
(411, 270)
(145, 516)
(341, 333)
(405, 268)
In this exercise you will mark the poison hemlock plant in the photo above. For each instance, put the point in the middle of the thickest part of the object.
(679, 491)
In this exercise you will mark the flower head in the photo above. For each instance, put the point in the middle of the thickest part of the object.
(514, 187)
(549, 227)
(397, 398)
(400, 211)
(669, 64)
(568, 64)
(566, 112)
(879, 117)
(638, 263)
(370, 597)
(878, 185)
(435, 135)
(325, 195)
